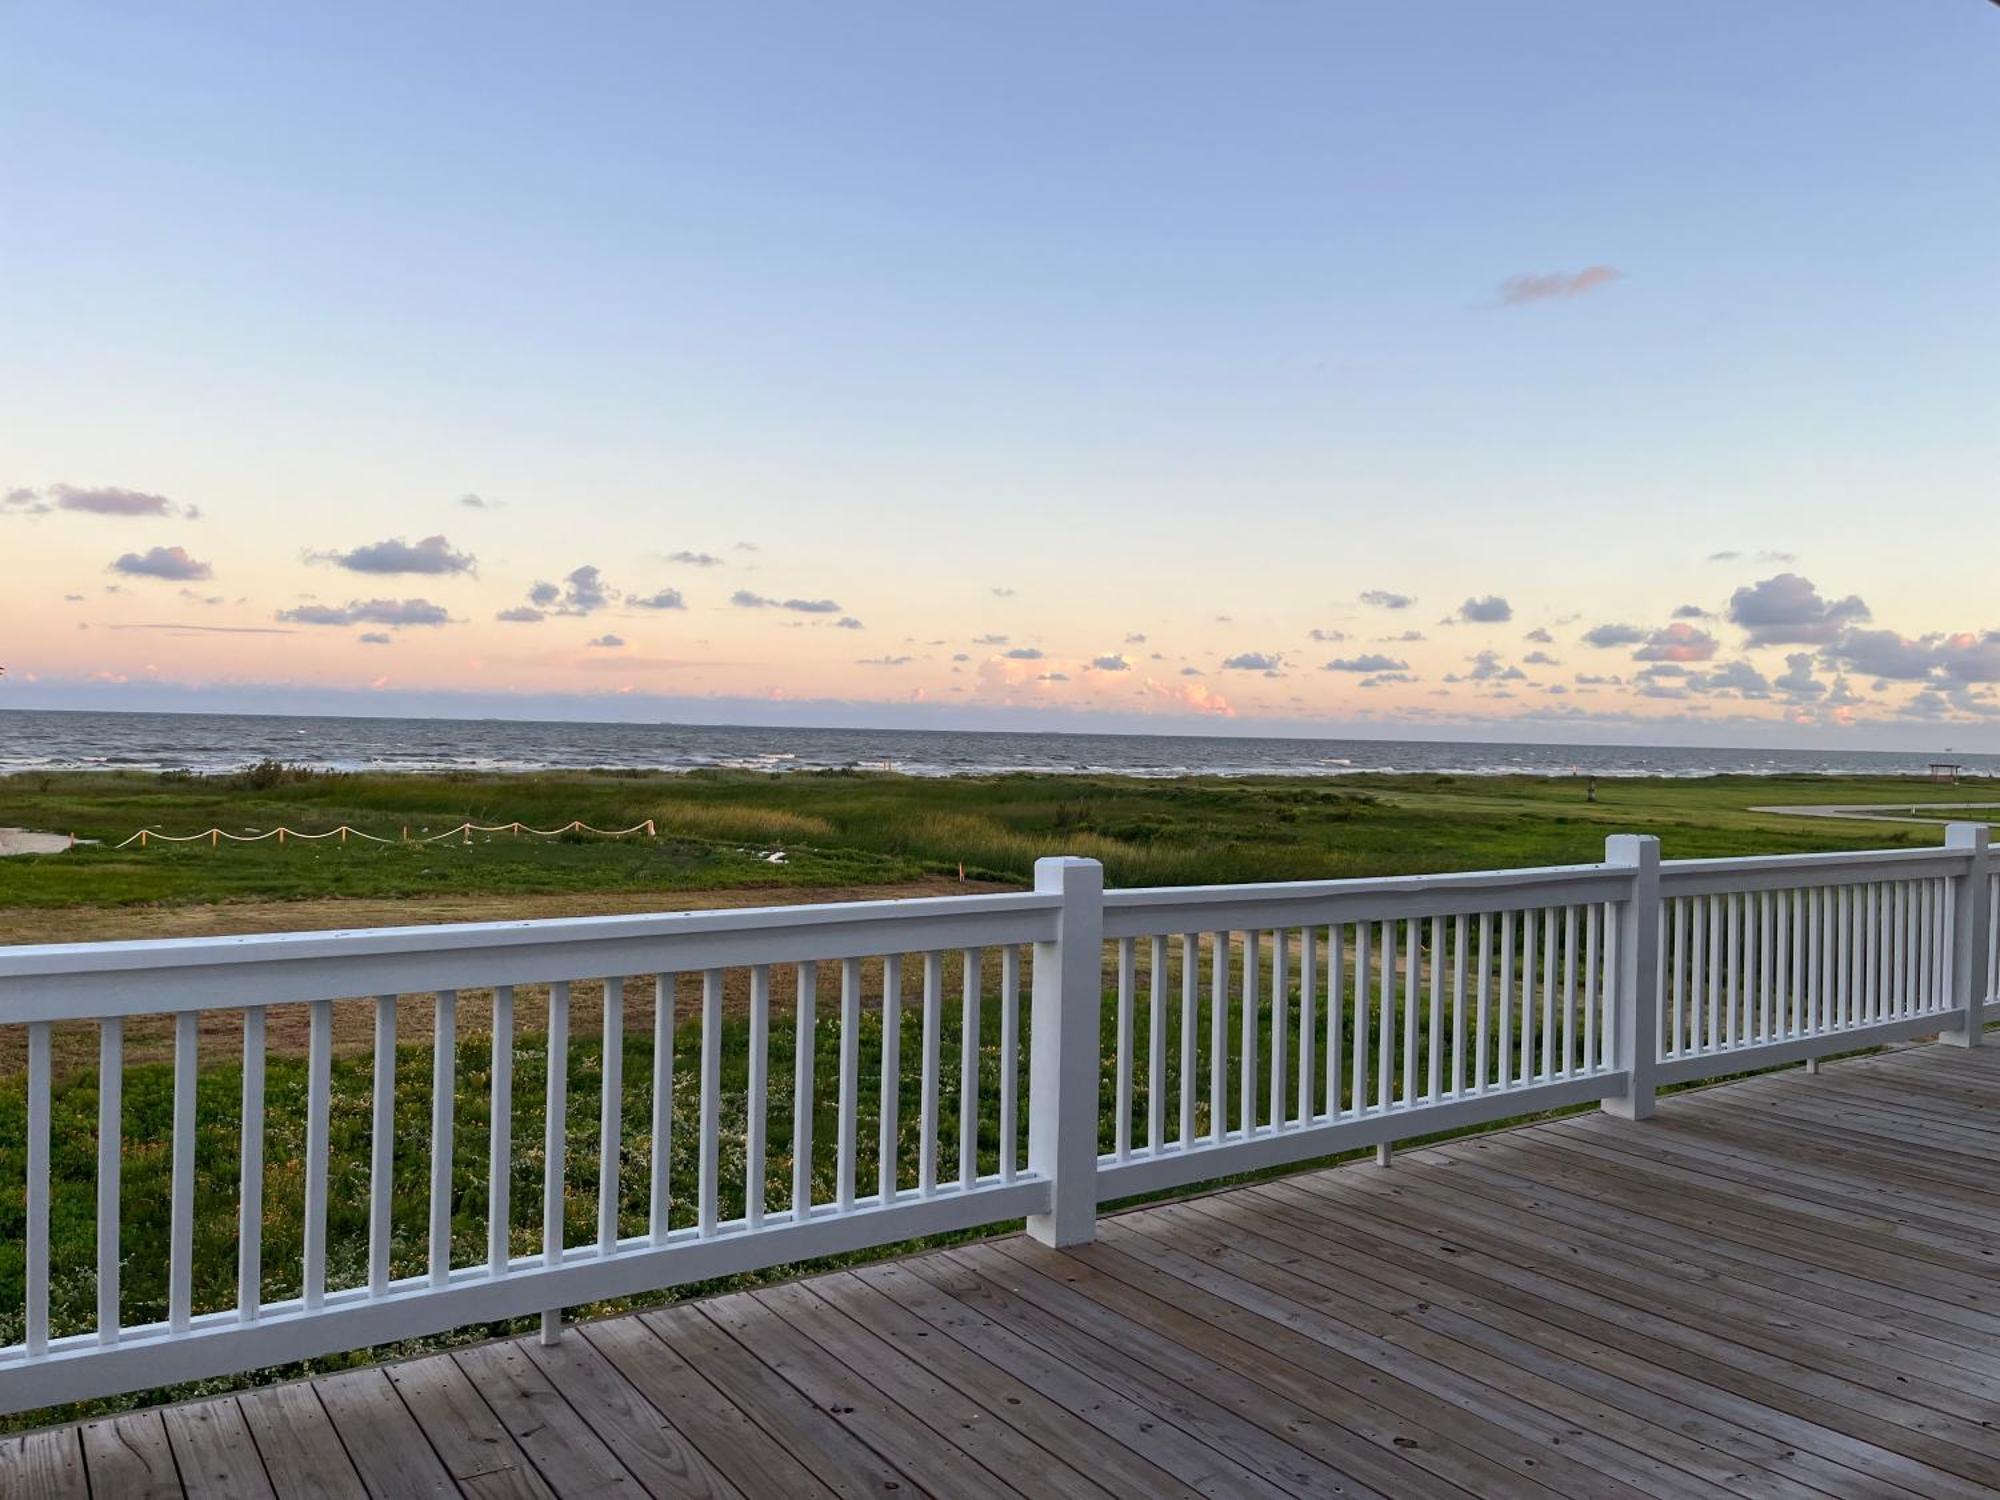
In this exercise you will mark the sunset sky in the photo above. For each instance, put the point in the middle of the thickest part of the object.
(1548, 370)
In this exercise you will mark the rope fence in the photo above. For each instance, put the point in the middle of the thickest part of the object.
(215, 836)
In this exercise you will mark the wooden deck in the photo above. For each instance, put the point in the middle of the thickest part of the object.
(1783, 1287)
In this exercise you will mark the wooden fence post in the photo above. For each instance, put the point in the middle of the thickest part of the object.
(1971, 933)
(1634, 1011)
(1063, 1051)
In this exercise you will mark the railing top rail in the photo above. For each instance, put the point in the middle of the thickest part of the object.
(1167, 909)
(1779, 870)
(57, 980)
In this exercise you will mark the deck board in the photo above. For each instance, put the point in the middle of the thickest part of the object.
(1781, 1287)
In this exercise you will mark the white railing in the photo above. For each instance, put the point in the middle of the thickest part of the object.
(777, 1085)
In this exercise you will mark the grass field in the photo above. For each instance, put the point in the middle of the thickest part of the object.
(717, 830)
(846, 835)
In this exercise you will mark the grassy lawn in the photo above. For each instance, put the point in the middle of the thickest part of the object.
(840, 834)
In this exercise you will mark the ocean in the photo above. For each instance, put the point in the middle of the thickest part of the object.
(55, 740)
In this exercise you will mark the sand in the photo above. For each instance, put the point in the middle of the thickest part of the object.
(26, 841)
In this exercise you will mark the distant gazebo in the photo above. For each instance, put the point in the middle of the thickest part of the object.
(1946, 771)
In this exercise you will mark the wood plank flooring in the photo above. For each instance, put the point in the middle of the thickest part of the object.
(1785, 1287)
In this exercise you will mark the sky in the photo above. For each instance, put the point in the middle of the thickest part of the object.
(1547, 370)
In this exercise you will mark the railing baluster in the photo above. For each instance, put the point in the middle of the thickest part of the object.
(1483, 1004)
(1413, 966)
(1190, 1006)
(1010, 1067)
(1548, 993)
(1364, 976)
(1281, 1006)
(1569, 992)
(1308, 1019)
(972, 981)
(444, 1090)
(929, 1120)
(611, 1116)
(1593, 926)
(110, 1163)
(804, 1025)
(250, 1175)
(659, 1206)
(1525, 1073)
(1385, 1005)
(1218, 1036)
(319, 1090)
(1504, 1041)
(1336, 1013)
(37, 1258)
(1156, 1050)
(891, 1086)
(555, 1145)
(1458, 939)
(708, 1186)
(757, 1121)
(381, 1143)
(1121, 1120)
(499, 1136)
(1434, 1032)
(1247, 1082)
(848, 1086)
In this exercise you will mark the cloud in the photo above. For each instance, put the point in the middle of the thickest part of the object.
(1540, 659)
(1788, 610)
(479, 502)
(392, 612)
(1406, 636)
(1110, 664)
(883, 661)
(433, 555)
(1326, 637)
(544, 594)
(1487, 667)
(111, 501)
(664, 599)
(989, 640)
(521, 614)
(585, 591)
(1797, 681)
(1384, 599)
(1254, 661)
(1540, 636)
(1001, 591)
(374, 638)
(1737, 677)
(1971, 658)
(1368, 662)
(1679, 641)
(1725, 556)
(1689, 612)
(1489, 610)
(23, 502)
(1136, 638)
(1605, 636)
(744, 599)
(695, 559)
(607, 642)
(1053, 677)
(1555, 286)
(1384, 679)
(742, 546)
(848, 622)
(1884, 653)
(163, 562)
(1023, 653)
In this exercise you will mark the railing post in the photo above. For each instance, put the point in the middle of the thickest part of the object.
(1634, 1011)
(1971, 927)
(1063, 1060)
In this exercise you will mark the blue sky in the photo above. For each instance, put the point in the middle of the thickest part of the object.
(1063, 324)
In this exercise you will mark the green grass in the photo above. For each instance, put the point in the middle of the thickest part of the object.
(844, 829)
